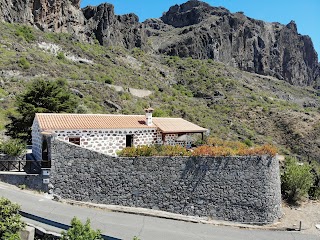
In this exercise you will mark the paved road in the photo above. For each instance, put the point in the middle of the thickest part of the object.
(126, 226)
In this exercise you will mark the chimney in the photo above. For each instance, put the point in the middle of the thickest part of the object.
(149, 116)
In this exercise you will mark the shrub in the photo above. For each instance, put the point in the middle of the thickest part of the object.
(218, 147)
(127, 152)
(248, 142)
(146, 151)
(61, 56)
(10, 220)
(213, 151)
(79, 231)
(107, 80)
(297, 180)
(160, 113)
(227, 149)
(24, 63)
(13, 147)
(178, 150)
(314, 191)
(156, 150)
(25, 32)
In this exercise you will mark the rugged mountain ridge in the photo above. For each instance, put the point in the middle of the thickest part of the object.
(202, 31)
(193, 29)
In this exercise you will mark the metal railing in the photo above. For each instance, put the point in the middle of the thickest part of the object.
(28, 166)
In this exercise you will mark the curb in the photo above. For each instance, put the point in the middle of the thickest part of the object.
(173, 216)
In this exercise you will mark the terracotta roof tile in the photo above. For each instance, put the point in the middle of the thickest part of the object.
(57, 121)
(177, 125)
(53, 121)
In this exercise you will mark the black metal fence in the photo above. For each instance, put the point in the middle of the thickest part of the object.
(28, 166)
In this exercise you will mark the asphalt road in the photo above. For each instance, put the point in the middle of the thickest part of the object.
(126, 226)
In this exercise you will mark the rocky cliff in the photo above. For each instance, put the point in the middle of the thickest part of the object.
(110, 29)
(201, 31)
(55, 15)
(193, 29)
(85, 24)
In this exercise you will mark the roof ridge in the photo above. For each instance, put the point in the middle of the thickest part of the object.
(90, 114)
(168, 118)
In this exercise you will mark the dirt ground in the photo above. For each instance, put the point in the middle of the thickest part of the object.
(307, 212)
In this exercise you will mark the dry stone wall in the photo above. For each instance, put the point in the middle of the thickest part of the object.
(242, 189)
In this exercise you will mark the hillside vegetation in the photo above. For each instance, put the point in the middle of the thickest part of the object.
(233, 104)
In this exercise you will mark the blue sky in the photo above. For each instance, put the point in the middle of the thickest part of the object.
(305, 13)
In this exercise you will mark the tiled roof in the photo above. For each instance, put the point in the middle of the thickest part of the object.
(176, 125)
(55, 121)
(58, 121)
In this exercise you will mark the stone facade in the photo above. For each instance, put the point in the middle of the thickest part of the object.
(242, 189)
(36, 141)
(107, 141)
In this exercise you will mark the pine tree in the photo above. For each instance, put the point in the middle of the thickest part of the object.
(40, 97)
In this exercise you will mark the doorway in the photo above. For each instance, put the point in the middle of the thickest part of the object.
(129, 140)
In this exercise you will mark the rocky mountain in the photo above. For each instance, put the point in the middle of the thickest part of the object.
(193, 29)
(110, 29)
(205, 32)
(233, 104)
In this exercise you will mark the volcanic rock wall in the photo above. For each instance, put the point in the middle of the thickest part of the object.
(242, 189)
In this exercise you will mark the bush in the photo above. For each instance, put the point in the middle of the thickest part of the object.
(24, 63)
(79, 231)
(156, 150)
(10, 220)
(61, 56)
(314, 191)
(13, 147)
(248, 142)
(226, 149)
(229, 148)
(25, 32)
(297, 180)
(107, 80)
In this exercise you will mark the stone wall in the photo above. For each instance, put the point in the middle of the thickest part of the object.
(242, 189)
(31, 181)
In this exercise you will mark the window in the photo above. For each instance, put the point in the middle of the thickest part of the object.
(74, 140)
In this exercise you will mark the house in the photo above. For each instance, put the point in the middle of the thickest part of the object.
(107, 133)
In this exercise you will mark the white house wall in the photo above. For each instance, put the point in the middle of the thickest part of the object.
(36, 140)
(105, 141)
(109, 141)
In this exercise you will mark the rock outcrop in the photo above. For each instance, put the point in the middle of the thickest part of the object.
(55, 15)
(110, 29)
(66, 16)
(193, 29)
(266, 48)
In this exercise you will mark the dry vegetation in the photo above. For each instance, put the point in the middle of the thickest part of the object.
(213, 148)
(234, 105)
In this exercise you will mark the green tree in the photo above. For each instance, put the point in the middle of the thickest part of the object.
(40, 97)
(297, 179)
(13, 147)
(10, 220)
(80, 231)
